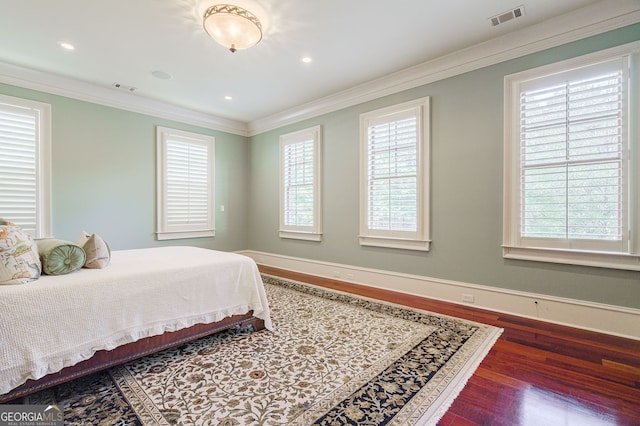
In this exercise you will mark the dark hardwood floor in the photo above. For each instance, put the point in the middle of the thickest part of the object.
(537, 373)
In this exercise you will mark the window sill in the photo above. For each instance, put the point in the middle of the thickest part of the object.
(396, 243)
(572, 257)
(177, 235)
(308, 236)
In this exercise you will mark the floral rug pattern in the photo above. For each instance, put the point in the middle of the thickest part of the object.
(332, 359)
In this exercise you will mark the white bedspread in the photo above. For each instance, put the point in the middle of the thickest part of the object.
(58, 321)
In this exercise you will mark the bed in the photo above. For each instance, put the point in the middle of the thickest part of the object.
(58, 328)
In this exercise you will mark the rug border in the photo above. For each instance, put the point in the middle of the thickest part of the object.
(432, 416)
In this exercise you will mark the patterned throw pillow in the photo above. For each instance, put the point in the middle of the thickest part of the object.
(19, 260)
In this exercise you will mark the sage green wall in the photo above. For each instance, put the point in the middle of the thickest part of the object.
(104, 182)
(466, 188)
(104, 170)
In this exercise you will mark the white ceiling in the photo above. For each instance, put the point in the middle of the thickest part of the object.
(351, 42)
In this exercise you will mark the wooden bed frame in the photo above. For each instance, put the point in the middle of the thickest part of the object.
(105, 359)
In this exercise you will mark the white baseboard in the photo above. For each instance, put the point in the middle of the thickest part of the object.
(602, 318)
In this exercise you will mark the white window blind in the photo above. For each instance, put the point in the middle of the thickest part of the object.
(24, 168)
(572, 159)
(394, 192)
(392, 175)
(300, 185)
(571, 192)
(185, 186)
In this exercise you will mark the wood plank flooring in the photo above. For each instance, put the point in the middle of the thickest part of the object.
(537, 373)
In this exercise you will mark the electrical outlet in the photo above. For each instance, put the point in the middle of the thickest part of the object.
(350, 276)
(468, 298)
(336, 274)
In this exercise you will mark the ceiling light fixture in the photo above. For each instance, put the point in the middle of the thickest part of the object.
(232, 26)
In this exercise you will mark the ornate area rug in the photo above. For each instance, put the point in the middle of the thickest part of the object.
(332, 359)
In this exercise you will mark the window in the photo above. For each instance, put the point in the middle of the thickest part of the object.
(185, 184)
(300, 190)
(571, 153)
(394, 161)
(25, 164)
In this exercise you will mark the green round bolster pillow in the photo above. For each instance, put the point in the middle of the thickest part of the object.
(60, 257)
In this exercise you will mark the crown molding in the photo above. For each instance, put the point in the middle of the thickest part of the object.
(585, 22)
(76, 89)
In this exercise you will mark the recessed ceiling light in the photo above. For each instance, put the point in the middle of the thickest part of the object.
(228, 98)
(306, 59)
(66, 46)
(162, 75)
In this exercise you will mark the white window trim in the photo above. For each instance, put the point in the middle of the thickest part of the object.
(313, 233)
(164, 230)
(43, 162)
(513, 248)
(422, 241)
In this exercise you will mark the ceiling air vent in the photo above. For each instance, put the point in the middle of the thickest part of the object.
(507, 16)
